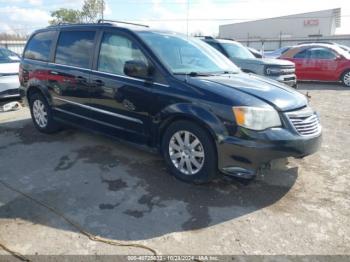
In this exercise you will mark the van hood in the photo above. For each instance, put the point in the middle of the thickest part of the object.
(278, 95)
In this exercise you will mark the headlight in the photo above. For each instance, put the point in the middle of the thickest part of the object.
(256, 118)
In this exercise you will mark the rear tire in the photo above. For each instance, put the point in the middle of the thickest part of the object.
(346, 78)
(190, 152)
(41, 114)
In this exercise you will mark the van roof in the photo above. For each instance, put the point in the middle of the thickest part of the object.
(84, 26)
(100, 23)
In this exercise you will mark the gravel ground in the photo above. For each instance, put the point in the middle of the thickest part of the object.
(118, 192)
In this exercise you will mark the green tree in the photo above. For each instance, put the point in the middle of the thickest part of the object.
(91, 11)
(64, 15)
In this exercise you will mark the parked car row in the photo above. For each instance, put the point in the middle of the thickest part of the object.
(320, 61)
(276, 69)
(169, 92)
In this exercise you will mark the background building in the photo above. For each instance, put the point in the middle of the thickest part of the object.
(275, 32)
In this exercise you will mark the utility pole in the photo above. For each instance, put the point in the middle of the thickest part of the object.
(188, 11)
(102, 8)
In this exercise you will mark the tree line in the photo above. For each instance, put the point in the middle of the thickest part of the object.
(90, 11)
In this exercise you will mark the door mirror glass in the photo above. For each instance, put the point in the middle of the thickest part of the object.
(339, 57)
(138, 69)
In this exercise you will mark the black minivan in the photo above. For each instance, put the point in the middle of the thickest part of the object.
(166, 91)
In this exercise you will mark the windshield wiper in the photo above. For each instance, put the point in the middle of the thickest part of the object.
(228, 72)
(194, 74)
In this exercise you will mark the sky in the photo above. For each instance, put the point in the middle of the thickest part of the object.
(204, 16)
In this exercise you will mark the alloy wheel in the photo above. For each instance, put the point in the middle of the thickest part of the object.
(346, 79)
(40, 113)
(186, 152)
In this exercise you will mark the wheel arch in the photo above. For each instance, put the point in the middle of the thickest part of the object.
(37, 88)
(205, 119)
(343, 73)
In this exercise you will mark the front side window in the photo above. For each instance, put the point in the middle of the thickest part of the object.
(115, 51)
(322, 53)
(185, 55)
(75, 48)
(39, 46)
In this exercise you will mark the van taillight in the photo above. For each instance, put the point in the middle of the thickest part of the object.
(20, 73)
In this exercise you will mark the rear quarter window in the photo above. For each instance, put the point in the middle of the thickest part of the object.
(75, 48)
(39, 46)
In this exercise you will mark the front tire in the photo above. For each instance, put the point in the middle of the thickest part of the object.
(346, 78)
(190, 152)
(42, 114)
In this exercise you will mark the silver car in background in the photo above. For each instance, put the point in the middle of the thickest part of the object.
(279, 70)
(9, 66)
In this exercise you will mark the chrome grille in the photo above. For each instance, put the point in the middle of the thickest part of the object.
(305, 121)
(287, 70)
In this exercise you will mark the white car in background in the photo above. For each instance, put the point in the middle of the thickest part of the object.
(9, 66)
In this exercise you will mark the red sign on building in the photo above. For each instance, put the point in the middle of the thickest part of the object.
(311, 22)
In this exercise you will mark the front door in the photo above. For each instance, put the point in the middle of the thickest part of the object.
(326, 64)
(304, 65)
(121, 101)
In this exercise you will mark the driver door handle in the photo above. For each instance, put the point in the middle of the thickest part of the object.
(98, 82)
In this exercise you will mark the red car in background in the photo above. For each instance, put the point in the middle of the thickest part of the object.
(320, 62)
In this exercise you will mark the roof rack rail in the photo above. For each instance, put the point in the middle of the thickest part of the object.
(119, 22)
(66, 23)
(317, 42)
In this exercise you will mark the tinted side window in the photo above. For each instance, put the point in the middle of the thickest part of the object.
(215, 45)
(115, 51)
(39, 46)
(322, 53)
(75, 48)
(303, 54)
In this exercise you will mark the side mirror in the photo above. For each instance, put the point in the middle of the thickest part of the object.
(138, 69)
(339, 57)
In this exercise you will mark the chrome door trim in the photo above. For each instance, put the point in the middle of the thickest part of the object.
(90, 119)
(128, 77)
(136, 120)
(69, 66)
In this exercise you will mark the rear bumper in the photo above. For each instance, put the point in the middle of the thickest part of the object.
(251, 152)
(9, 86)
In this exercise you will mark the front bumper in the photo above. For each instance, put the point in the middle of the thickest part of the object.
(9, 86)
(250, 150)
(290, 80)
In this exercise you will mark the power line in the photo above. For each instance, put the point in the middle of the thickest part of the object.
(232, 19)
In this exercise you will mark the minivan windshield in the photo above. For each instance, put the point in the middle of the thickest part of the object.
(237, 51)
(187, 55)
